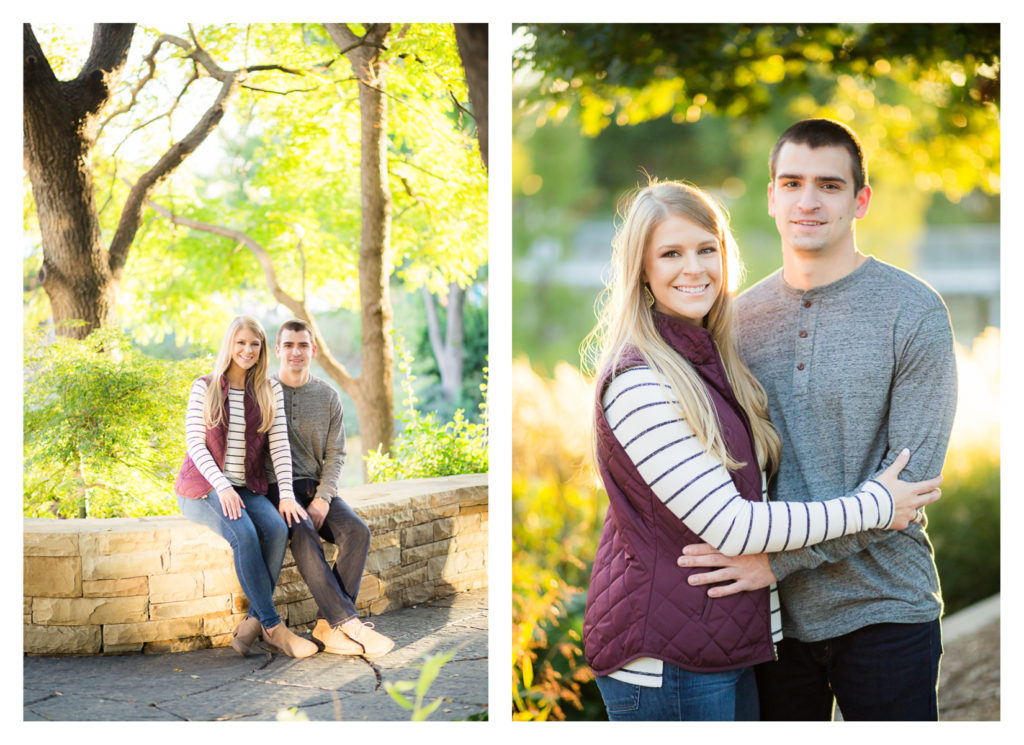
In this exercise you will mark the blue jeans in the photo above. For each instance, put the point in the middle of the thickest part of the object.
(334, 588)
(684, 696)
(258, 540)
(883, 672)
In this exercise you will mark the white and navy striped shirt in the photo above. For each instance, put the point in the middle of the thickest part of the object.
(234, 457)
(699, 490)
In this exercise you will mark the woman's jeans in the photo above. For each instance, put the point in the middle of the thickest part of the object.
(684, 696)
(258, 540)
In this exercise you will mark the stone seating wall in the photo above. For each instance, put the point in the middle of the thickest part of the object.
(164, 584)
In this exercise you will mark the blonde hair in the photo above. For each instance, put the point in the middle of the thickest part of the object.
(625, 320)
(256, 380)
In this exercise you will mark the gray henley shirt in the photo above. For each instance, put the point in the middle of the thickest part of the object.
(316, 433)
(855, 371)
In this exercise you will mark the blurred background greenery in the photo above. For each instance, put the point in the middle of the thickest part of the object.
(596, 109)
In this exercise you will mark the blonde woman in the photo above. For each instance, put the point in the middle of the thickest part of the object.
(683, 442)
(233, 416)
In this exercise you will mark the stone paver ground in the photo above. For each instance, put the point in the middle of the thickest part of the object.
(218, 684)
(969, 682)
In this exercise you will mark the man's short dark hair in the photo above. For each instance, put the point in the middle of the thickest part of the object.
(294, 324)
(825, 133)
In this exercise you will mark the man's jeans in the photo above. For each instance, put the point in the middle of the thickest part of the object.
(684, 696)
(334, 589)
(258, 541)
(883, 672)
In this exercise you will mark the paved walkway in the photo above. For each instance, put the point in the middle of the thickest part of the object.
(218, 684)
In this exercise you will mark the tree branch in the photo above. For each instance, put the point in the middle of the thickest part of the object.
(231, 82)
(132, 212)
(288, 92)
(332, 366)
(40, 82)
(460, 107)
(150, 62)
(101, 71)
(346, 40)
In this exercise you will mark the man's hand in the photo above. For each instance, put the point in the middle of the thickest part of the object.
(291, 511)
(317, 512)
(747, 572)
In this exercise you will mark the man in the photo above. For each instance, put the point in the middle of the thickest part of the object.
(857, 359)
(317, 438)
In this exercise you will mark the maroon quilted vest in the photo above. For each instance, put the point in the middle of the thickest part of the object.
(640, 603)
(191, 483)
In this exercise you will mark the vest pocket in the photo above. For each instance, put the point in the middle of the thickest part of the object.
(707, 610)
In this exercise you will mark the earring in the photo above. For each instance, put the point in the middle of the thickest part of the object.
(648, 296)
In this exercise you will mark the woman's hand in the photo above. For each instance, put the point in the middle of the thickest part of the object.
(291, 511)
(907, 496)
(231, 504)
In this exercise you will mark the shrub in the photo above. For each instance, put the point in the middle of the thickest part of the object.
(964, 524)
(103, 427)
(554, 525)
(557, 513)
(964, 529)
(425, 448)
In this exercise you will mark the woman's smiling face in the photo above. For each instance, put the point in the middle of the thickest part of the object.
(683, 267)
(245, 351)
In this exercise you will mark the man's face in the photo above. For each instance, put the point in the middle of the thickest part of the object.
(295, 350)
(812, 198)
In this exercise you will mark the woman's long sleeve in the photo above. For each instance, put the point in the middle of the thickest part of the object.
(699, 490)
(280, 449)
(195, 439)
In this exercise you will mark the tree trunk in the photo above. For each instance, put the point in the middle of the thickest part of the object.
(79, 274)
(375, 406)
(60, 123)
(471, 39)
(448, 351)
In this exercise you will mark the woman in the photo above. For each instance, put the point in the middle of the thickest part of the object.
(682, 441)
(233, 415)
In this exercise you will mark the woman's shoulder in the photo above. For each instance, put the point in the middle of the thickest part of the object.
(628, 379)
(624, 358)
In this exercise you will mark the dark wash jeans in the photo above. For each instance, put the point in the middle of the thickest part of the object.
(884, 672)
(336, 588)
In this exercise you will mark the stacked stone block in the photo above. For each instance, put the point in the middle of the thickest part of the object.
(164, 584)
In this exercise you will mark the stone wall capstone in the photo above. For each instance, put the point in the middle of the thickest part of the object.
(164, 584)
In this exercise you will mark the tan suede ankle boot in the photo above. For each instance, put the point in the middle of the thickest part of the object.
(282, 639)
(245, 635)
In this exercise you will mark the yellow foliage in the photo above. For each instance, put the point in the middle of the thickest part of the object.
(551, 424)
(770, 69)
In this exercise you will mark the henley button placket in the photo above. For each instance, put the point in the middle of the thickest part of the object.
(802, 348)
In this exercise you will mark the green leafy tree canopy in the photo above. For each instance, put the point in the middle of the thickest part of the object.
(928, 94)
